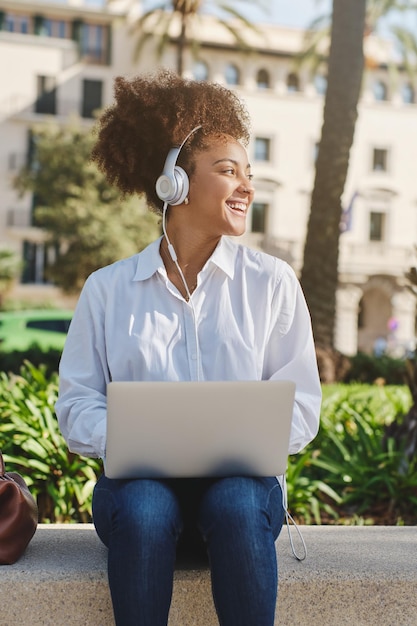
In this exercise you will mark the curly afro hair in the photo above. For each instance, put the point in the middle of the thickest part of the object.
(151, 114)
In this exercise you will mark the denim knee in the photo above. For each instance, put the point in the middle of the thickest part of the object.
(243, 503)
(145, 508)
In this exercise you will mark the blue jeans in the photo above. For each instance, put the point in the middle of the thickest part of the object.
(141, 521)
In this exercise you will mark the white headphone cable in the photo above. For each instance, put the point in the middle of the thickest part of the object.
(174, 258)
(172, 252)
(288, 518)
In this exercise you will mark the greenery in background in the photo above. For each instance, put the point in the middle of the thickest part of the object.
(366, 368)
(10, 268)
(85, 218)
(32, 444)
(351, 473)
(13, 361)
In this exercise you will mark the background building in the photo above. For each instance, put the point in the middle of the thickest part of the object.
(59, 59)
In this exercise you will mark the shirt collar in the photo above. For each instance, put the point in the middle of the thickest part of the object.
(149, 260)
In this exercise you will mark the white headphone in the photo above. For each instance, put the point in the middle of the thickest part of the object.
(172, 186)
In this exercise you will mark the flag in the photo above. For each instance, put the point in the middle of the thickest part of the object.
(346, 217)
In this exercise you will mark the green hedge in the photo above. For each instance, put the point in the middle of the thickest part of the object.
(366, 368)
(351, 472)
(33, 446)
(14, 360)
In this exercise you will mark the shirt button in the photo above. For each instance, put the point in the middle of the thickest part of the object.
(194, 357)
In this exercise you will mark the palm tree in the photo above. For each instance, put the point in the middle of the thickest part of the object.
(319, 275)
(163, 15)
(351, 23)
(318, 34)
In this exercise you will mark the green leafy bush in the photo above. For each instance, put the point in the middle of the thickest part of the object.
(367, 368)
(355, 462)
(12, 361)
(310, 498)
(33, 445)
(351, 473)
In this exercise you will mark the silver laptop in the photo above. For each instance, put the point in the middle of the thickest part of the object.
(194, 429)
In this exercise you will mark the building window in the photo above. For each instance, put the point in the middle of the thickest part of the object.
(16, 160)
(200, 70)
(56, 28)
(15, 23)
(293, 82)
(38, 257)
(262, 79)
(94, 42)
(407, 93)
(262, 149)
(320, 83)
(232, 74)
(376, 226)
(380, 91)
(380, 160)
(46, 95)
(259, 215)
(92, 97)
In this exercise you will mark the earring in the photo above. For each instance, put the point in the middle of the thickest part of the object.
(186, 201)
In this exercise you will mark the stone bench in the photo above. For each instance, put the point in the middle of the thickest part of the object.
(358, 576)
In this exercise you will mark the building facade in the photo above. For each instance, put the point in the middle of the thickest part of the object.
(60, 59)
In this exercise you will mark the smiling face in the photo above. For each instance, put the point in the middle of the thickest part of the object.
(221, 188)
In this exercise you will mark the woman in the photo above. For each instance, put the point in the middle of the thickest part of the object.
(192, 306)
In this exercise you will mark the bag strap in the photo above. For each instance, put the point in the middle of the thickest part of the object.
(2, 468)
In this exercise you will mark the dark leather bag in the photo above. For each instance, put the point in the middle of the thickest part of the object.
(18, 515)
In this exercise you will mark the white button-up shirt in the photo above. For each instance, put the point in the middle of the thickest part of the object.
(247, 320)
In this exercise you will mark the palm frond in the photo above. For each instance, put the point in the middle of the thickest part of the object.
(407, 47)
(264, 5)
(163, 41)
(236, 33)
(237, 15)
(156, 16)
(161, 23)
(311, 54)
(319, 23)
(376, 9)
(228, 8)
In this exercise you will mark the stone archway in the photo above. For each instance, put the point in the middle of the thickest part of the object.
(375, 311)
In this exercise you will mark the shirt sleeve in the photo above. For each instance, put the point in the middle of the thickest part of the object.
(291, 355)
(83, 377)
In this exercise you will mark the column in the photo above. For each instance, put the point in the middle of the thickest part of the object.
(346, 323)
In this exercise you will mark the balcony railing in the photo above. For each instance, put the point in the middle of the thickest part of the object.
(19, 218)
(375, 257)
(28, 108)
(369, 258)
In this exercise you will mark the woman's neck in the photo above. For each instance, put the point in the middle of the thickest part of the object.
(191, 253)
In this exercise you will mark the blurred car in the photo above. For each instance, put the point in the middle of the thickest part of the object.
(47, 329)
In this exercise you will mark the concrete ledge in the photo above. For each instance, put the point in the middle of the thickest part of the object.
(358, 576)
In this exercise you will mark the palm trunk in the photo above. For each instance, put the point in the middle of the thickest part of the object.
(181, 45)
(319, 276)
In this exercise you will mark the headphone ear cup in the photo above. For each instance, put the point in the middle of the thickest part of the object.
(166, 187)
(182, 185)
(173, 188)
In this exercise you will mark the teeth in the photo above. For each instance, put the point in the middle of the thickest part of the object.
(237, 205)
